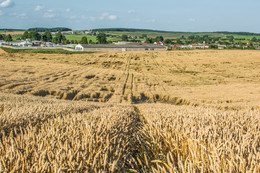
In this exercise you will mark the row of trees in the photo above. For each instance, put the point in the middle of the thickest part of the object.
(6, 38)
(58, 38)
(50, 29)
(46, 36)
(156, 39)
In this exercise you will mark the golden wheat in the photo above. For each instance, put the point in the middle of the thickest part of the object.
(180, 111)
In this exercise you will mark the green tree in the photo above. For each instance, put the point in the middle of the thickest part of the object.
(33, 35)
(59, 38)
(72, 42)
(84, 40)
(230, 38)
(47, 37)
(102, 38)
(144, 35)
(149, 40)
(90, 42)
(191, 37)
(168, 41)
(213, 46)
(8, 38)
(254, 39)
(159, 38)
(2, 37)
(25, 35)
(124, 37)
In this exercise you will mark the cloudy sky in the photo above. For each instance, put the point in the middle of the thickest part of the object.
(171, 15)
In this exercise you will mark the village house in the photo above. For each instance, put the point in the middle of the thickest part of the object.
(120, 47)
(159, 43)
(182, 46)
(222, 46)
(200, 46)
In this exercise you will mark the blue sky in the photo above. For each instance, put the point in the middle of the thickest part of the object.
(171, 15)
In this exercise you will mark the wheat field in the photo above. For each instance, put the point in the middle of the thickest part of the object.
(176, 111)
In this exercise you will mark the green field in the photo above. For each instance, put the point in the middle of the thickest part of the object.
(179, 34)
(78, 37)
(155, 34)
(90, 37)
(166, 35)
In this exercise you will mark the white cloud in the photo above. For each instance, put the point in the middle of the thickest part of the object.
(68, 10)
(50, 11)
(131, 11)
(102, 17)
(7, 3)
(105, 16)
(23, 14)
(19, 14)
(192, 20)
(112, 17)
(39, 8)
(49, 15)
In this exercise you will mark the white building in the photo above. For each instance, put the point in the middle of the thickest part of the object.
(79, 47)
(2, 42)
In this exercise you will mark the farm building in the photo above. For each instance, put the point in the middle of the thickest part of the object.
(200, 46)
(159, 43)
(120, 47)
(222, 46)
(2, 42)
(182, 46)
(18, 43)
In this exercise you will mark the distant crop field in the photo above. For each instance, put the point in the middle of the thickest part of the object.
(165, 35)
(170, 111)
(179, 35)
(79, 37)
(89, 37)
(247, 37)
(18, 34)
(14, 32)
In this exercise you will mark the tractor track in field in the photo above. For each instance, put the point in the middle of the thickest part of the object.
(126, 74)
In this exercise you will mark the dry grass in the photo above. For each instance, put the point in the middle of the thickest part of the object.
(52, 136)
(15, 33)
(181, 111)
(221, 79)
(188, 139)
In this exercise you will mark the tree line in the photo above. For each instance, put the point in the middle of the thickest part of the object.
(50, 29)
(238, 33)
(33, 35)
(6, 38)
(58, 38)
(46, 36)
